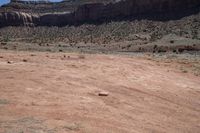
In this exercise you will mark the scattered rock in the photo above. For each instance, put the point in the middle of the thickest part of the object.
(32, 55)
(24, 60)
(9, 62)
(103, 93)
(3, 43)
(171, 41)
(5, 48)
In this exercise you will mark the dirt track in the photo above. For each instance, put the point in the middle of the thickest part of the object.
(53, 93)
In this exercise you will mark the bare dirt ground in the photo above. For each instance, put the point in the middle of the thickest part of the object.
(58, 93)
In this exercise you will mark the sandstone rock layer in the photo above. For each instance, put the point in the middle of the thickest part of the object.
(94, 12)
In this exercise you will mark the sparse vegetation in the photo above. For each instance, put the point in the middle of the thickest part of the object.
(103, 33)
(183, 70)
(73, 127)
(118, 36)
(81, 56)
(186, 63)
(3, 101)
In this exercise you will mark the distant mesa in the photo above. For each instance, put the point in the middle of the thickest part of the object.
(30, 1)
(73, 12)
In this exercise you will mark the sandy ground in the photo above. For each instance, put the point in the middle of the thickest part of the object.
(58, 93)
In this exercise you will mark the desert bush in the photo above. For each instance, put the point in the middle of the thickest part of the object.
(171, 41)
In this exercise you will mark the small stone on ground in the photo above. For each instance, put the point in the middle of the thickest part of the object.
(103, 93)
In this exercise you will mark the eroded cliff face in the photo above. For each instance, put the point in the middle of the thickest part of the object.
(18, 19)
(135, 8)
(93, 12)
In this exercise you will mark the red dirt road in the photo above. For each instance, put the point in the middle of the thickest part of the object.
(50, 93)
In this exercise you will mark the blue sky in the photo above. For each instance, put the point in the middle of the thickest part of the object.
(6, 1)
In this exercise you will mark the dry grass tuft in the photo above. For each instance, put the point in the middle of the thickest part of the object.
(81, 56)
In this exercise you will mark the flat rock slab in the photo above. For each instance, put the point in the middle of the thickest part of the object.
(102, 93)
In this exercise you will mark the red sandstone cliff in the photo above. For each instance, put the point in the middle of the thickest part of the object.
(64, 13)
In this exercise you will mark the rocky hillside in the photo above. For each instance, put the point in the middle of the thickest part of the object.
(80, 11)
